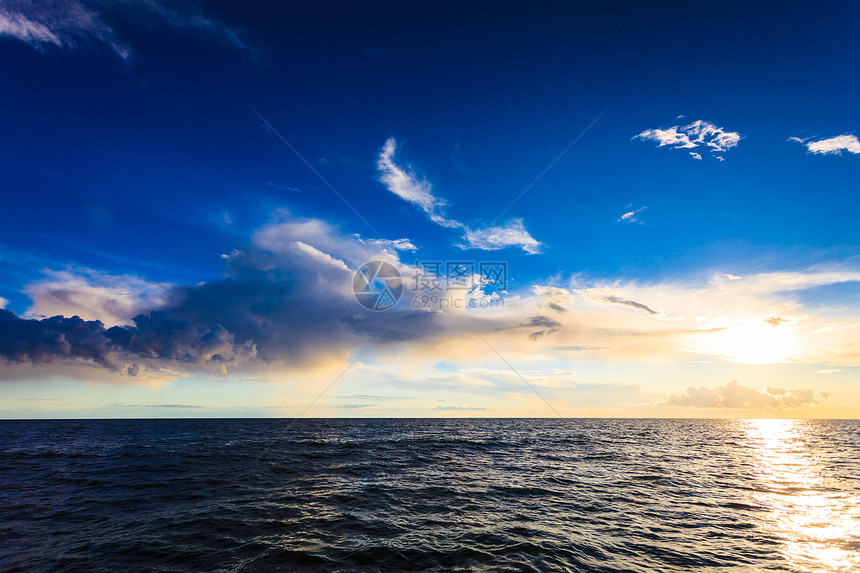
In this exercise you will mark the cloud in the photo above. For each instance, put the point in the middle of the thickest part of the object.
(92, 295)
(834, 145)
(180, 406)
(64, 24)
(189, 17)
(630, 216)
(3, 302)
(403, 182)
(670, 136)
(406, 184)
(829, 371)
(73, 24)
(512, 234)
(286, 298)
(630, 303)
(735, 396)
(697, 134)
(397, 244)
(544, 323)
(285, 304)
(290, 291)
(551, 297)
(155, 336)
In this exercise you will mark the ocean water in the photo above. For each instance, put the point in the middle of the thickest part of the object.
(430, 495)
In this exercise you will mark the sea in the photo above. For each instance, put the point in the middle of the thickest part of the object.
(430, 495)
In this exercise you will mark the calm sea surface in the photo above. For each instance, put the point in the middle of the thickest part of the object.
(429, 495)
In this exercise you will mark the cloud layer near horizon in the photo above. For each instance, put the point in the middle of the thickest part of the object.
(738, 397)
(286, 301)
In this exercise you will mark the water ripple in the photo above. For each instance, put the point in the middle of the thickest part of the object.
(429, 495)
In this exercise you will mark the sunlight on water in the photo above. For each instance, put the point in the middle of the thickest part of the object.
(667, 496)
(815, 519)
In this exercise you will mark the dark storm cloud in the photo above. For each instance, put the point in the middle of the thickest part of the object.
(294, 317)
(155, 336)
(160, 336)
(287, 298)
(291, 293)
(51, 339)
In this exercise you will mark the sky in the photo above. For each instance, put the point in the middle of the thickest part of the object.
(429, 209)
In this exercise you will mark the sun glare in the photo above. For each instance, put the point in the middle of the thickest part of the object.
(751, 342)
(816, 523)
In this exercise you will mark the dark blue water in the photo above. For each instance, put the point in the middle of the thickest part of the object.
(429, 495)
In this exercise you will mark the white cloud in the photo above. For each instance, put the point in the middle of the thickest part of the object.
(62, 24)
(670, 136)
(288, 236)
(630, 216)
(406, 184)
(717, 138)
(699, 133)
(93, 295)
(397, 244)
(71, 24)
(735, 396)
(3, 302)
(829, 371)
(512, 234)
(403, 182)
(834, 145)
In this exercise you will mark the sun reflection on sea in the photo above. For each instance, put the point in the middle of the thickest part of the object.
(815, 519)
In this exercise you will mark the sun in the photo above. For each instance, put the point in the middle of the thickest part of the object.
(751, 341)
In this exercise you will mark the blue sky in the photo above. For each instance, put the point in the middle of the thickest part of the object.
(710, 207)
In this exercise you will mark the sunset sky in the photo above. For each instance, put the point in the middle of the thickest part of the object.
(672, 191)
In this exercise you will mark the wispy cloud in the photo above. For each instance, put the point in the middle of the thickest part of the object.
(61, 24)
(406, 184)
(833, 145)
(697, 134)
(630, 215)
(180, 406)
(630, 303)
(512, 234)
(72, 24)
(403, 182)
(735, 396)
